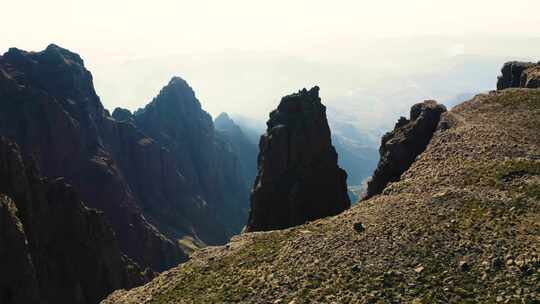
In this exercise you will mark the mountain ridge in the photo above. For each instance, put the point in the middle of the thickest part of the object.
(460, 225)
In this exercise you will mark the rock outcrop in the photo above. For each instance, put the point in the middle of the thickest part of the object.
(400, 147)
(245, 150)
(53, 249)
(176, 120)
(517, 74)
(298, 177)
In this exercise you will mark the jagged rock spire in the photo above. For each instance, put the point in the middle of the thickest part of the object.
(298, 177)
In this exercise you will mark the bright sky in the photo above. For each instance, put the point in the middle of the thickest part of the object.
(105, 28)
(288, 43)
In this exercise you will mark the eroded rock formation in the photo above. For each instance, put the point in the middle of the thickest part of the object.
(49, 107)
(176, 120)
(517, 74)
(400, 147)
(53, 249)
(298, 177)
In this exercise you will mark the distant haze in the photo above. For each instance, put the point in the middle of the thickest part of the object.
(371, 60)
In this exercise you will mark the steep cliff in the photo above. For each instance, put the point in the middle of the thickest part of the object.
(298, 177)
(515, 74)
(49, 107)
(18, 283)
(52, 247)
(460, 226)
(400, 147)
(176, 120)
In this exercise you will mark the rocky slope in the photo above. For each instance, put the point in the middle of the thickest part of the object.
(460, 226)
(53, 249)
(298, 177)
(400, 147)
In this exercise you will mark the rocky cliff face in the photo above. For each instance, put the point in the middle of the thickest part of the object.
(400, 147)
(176, 120)
(53, 249)
(18, 283)
(517, 74)
(49, 107)
(245, 150)
(298, 178)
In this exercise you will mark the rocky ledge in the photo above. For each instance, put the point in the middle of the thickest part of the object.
(515, 74)
(400, 147)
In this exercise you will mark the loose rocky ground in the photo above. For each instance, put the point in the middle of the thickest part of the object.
(461, 226)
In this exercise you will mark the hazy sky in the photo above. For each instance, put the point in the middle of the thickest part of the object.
(297, 43)
(102, 29)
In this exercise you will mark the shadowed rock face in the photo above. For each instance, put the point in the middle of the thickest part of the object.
(400, 147)
(49, 107)
(53, 249)
(18, 283)
(241, 145)
(176, 120)
(519, 75)
(298, 177)
(123, 115)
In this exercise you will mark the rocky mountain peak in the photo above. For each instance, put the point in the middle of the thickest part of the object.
(57, 71)
(121, 114)
(298, 177)
(400, 147)
(177, 92)
(223, 121)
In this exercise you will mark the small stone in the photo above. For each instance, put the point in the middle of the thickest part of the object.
(464, 265)
(419, 269)
(358, 227)
(499, 299)
(497, 263)
(509, 262)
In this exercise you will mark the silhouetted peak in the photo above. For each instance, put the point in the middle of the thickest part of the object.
(121, 114)
(178, 95)
(223, 121)
(299, 102)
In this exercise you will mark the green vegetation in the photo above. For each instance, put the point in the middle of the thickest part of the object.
(226, 279)
(513, 99)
